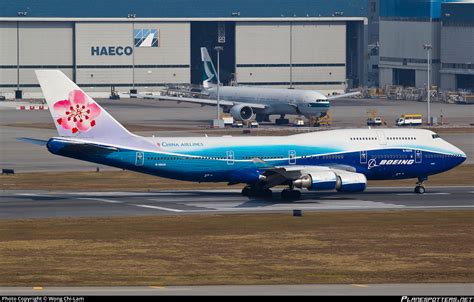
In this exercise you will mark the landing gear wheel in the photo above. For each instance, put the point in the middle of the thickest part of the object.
(420, 190)
(290, 194)
(282, 121)
(266, 193)
(246, 191)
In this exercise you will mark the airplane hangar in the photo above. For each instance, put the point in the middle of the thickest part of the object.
(102, 44)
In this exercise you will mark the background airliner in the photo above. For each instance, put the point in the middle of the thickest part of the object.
(245, 103)
(340, 160)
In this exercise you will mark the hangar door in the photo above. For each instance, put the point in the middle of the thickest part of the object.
(209, 35)
(308, 55)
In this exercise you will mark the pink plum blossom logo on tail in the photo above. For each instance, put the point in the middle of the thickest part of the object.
(78, 113)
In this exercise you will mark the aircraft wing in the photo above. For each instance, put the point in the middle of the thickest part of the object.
(210, 102)
(345, 95)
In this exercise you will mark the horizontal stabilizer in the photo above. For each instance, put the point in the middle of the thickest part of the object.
(35, 141)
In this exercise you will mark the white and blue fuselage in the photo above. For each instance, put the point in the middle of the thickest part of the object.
(377, 154)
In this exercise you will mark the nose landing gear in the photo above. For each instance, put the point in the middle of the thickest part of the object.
(420, 188)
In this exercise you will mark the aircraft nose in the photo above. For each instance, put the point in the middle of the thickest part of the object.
(463, 157)
(460, 157)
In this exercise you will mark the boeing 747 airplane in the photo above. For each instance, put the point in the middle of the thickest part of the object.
(245, 103)
(341, 160)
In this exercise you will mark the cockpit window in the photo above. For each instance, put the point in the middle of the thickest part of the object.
(435, 136)
(318, 103)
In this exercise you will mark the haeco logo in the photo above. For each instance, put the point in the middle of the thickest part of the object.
(141, 38)
(111, 50)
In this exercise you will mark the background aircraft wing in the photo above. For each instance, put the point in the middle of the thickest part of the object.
(345, 95)
(210, 102)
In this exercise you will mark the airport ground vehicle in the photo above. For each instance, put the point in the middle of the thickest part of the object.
(228, 121)
(299, 122)
(409, 120)
(238, 124)
(341, 160)
(376, 121)
(253, 124)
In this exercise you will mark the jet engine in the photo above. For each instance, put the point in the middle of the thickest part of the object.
(320, 180)
(241, 112)
(342, 181)
(350, 182)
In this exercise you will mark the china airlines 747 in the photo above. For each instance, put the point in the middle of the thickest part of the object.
(339, 160)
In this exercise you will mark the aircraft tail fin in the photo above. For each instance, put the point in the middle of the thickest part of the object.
(74, 113)
(209, 74)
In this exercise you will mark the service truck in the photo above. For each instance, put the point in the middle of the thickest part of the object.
(409, 120)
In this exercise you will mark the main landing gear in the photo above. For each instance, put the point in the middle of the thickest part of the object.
(251, 191)
(420, 189)
(282, 120)
(290, 194)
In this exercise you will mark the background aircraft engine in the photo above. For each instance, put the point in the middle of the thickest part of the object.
(350, 182)
(241, 112)
(320, 180)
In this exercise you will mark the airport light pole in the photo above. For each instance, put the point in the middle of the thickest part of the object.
(218, 49)
(428, 47)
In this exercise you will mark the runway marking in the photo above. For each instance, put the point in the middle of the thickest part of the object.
(110, 193)
(437, 193)
(360, 285)
(408, 187)
(157, 287)
(102, 199)
(158, 208)
(31, 194)
(435, 207)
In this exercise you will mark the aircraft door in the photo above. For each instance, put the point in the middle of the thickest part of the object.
(418, 156)
(139, 159)
(381, 137)
(230, 157)
(292, 157)
(363, 157)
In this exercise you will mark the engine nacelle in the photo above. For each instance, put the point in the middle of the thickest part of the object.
(241, 112)
(321, 180)
(350, 182)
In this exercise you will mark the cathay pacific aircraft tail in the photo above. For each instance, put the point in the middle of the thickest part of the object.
(341, 160)
(209, 73)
